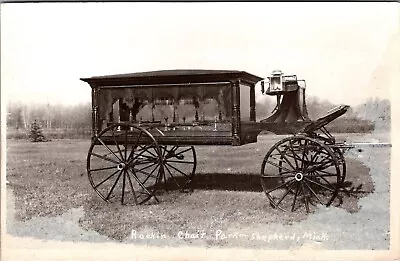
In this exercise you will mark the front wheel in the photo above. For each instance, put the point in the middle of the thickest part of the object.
(299, 173)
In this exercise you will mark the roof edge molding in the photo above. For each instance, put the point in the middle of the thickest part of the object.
(172, 77)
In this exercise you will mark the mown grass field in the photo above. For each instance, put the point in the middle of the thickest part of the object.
(50, 178)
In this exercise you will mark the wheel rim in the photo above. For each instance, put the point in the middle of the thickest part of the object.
(342, 164)
(179, 165)
(124, 164)
(299, 173)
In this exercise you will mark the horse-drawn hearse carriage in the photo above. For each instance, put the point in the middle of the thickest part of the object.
(145, 126)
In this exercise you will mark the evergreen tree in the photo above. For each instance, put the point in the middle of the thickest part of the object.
(36, 134)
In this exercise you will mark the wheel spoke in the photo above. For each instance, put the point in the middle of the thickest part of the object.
(149, 166)
(276, 165)
(134, 146)
(132, 189)
(107, 178)
(146, 161)
(173, 177)
(126, 141)
(329, 184)
(303, 155)
(116, 143)
(294, 154)
(104, 158)
(176, 169)
(145, 149)
(324, 175)
(144, 156)
(164, 150)
(112, 152)
(294, 157)
(321, 167)
(305, 198)
(145, 173)
(287, 192)
(281, 175)
(172, 150)
(313, 192)
(123, 187)
(112, 188)
(140, 183)
(115, 151)
(295, 196)
(286, 159)
(105, 168)
(319, 184)
(183, 151)
(281, 185)
(138, 155)
(151, 174)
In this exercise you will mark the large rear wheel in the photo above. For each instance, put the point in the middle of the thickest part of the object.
(124, 164)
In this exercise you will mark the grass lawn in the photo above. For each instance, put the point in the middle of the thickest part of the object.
(50, 178)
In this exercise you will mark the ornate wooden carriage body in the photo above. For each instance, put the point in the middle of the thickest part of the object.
(187, 106)
(145, 125)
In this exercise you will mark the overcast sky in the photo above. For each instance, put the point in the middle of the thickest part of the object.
(347, 52)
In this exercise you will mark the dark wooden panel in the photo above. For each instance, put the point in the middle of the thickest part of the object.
(205, 139)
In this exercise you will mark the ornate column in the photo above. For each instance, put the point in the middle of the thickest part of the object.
(252, 103)
(236, 112)
(95, 110)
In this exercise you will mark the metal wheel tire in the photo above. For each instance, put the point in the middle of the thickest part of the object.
(299, 173)
(342, 164)
(124, 164)
(179, 165)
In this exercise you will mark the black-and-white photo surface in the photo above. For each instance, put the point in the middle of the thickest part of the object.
(199, 131)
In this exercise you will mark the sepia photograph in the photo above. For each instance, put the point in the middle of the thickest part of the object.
(199, 131)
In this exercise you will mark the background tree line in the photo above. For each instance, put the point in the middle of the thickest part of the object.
(75, 120)
(20, 116)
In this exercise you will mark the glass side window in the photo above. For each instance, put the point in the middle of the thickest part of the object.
(244, 102)
(179, 105)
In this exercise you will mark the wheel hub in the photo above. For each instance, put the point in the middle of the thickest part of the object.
(121, 166)
(299, 176)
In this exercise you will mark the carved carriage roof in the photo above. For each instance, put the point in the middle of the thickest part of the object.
(172, 77)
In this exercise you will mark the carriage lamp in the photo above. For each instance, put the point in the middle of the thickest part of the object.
(275, 82)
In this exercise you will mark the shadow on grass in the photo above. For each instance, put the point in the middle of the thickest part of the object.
(223, 181)
(347, 197)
